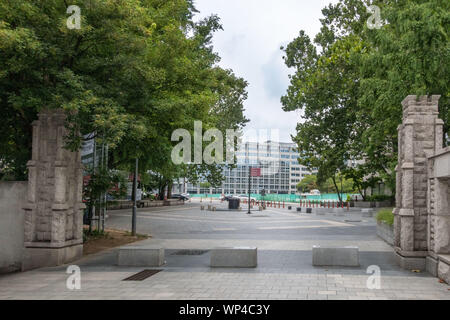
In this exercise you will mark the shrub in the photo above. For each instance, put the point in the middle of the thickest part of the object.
(379, 197)
(94, 234)
(386, 216)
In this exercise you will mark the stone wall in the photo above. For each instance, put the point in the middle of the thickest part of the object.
(385, 232)
(422, 217)
(12, 198)
(439, 214)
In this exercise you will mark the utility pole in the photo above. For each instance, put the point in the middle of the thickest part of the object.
(133, 219)
(249, 186)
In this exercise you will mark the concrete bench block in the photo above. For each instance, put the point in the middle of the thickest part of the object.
(140, 257)
(319, 211)
(335, 256)
(239, 257)
(367, 212)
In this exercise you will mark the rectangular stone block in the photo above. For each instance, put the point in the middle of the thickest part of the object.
(411, 263)
(238, 257)
(335, 256)
(319, 211)
(140, 257)
(431, 265)
(444, 268)
(50, 257)
(367, 213)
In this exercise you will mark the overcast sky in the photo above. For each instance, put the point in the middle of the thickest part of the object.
(254, 31)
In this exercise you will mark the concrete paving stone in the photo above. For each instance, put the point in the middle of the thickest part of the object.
(358, 298)
(284, 267)
(329, 292)
(317, 297)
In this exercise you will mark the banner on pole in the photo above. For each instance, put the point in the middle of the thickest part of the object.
(255, 172)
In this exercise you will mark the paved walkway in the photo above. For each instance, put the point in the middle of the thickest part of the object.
(284, 240)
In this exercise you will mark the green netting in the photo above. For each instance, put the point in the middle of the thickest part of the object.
(285, 197)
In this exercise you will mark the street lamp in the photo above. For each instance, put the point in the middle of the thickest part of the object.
(133, 218)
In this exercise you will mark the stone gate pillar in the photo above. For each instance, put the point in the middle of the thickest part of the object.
(438, 260)
(53, 213)
(418, 139)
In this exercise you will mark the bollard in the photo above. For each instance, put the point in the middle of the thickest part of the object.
(283, 204)
(348, 206)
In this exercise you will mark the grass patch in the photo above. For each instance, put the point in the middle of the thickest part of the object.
(96, 240)
(386, 216)
(94, 235)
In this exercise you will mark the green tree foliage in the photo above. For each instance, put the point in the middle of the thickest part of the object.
(350, 81)
(135, 71)
(310, 182)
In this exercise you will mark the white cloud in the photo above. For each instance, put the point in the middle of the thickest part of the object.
(250, 44)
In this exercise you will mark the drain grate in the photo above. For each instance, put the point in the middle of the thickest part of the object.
(142, 275)
(189, 252)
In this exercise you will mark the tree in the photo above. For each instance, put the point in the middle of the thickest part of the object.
(308, 183)
(135, 71)
(351, 80)
(324, 89)
(410, 54)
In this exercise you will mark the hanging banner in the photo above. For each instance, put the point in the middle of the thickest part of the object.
(255, 172)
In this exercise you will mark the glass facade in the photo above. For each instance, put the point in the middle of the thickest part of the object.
(280, 170)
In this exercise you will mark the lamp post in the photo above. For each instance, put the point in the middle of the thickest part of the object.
(249, 187)
(133, 218)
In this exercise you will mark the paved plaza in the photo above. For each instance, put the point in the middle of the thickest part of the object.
(284, 239)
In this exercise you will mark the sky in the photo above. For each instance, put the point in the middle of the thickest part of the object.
(254, 31)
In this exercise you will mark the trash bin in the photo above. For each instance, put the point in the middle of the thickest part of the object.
(233, 203)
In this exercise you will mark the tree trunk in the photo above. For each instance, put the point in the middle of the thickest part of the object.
(362, 194)
(169, 190)
(337, 188)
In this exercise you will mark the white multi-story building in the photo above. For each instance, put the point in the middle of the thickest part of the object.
(280, 171)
